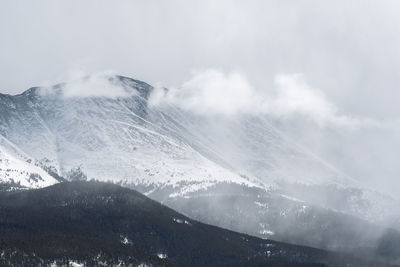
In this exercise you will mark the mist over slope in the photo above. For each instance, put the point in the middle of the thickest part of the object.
(264, 182)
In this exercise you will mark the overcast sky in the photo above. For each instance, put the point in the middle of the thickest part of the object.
(346, 51)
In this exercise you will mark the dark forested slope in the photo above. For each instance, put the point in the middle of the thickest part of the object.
(92, 223)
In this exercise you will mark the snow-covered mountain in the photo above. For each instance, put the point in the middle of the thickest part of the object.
(107, 138)
(174, 156)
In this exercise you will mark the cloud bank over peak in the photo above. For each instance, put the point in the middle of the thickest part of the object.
(209, 92)
(212, 92)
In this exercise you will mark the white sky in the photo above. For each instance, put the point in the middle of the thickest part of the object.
(348, 49)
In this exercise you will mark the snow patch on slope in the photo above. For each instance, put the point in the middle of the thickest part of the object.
(16, 167)
(26, 174)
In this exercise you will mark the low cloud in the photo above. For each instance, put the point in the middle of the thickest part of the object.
(81, 85)
(212, 92)
(209, 92)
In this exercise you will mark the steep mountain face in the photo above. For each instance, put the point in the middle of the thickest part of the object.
(261, 180)
(96, 224)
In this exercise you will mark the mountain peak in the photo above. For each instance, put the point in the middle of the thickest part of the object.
(97, 85)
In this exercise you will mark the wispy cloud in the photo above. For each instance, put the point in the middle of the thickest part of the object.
(212, 92)
(292, 96)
